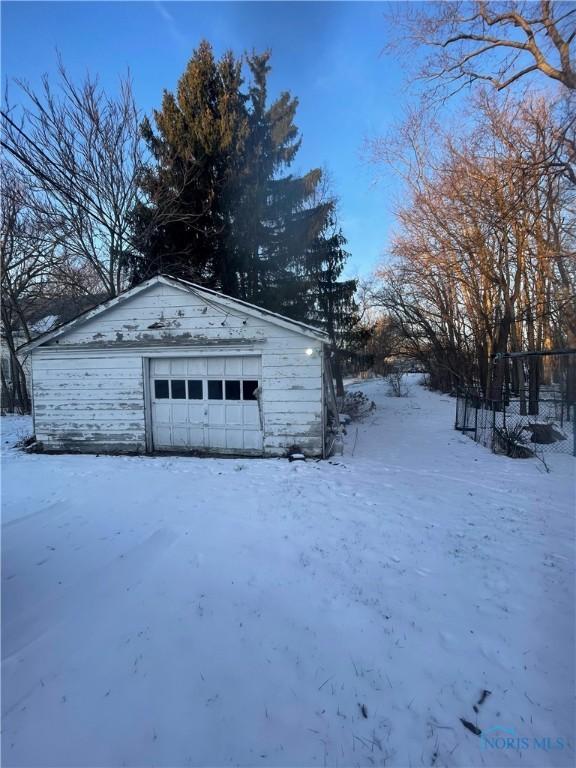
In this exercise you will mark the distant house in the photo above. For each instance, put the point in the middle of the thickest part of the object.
(171, 366)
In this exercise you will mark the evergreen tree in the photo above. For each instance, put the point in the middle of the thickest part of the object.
(240, 222)
(331, 303)
(199, 140)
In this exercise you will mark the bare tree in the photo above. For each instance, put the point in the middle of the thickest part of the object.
(84, 151)
(28, 247)
(82, 148)
(484, 255)
(495, 42)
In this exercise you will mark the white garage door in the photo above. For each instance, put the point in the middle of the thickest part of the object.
(206, 404)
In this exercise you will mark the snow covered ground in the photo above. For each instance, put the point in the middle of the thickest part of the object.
(212, 612)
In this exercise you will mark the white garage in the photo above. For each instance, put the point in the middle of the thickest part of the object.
(169, 366)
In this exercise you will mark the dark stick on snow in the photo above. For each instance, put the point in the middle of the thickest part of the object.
(471, 727)
(484, 696)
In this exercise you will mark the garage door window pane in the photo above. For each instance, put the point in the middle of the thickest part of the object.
(178, 389)
(214, 390)
(232, 390)
(194, 389)
(161, 388)
(248, 388)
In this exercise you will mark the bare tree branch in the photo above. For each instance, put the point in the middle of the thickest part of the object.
(464, 49)
(84, 151)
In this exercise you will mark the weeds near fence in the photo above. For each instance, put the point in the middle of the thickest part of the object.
(512, 442)
(507, 426)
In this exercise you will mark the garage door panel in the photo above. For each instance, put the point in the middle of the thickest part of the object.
(180, 436)
(233, 366)
(179, 413)
(251, 416)
(216, 366)
(196, 413)
(234, 439)
(253, 440)
(196, 366)
(179, 367)
(158, 367)
(183, 416)
(251, 366)
(163, 412)
(233, 415)
(163, 435)
(196, 437)
(216, 437)
(216, 415)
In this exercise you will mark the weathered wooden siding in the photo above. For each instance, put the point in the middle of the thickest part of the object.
(164, 315)
(292, 398)
(89, 388)
(88, 404)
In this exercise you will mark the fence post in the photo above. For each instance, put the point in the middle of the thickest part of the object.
(493, 435)
(457, 408)
(476, 425)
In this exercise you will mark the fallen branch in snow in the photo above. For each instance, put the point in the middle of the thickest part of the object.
(324, 683)
(481, 700)
(471, 727)
(536, 704)
(361, 740)
(541, 458)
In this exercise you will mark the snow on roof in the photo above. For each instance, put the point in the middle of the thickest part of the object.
(45, 324)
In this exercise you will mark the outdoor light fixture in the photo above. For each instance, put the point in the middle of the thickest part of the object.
(309, 351)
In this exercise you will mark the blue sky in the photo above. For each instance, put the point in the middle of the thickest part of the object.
(328, 54)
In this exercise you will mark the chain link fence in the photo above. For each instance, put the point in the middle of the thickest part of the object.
(505, 427)
(522, 422)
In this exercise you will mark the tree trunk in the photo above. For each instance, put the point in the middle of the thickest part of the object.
(534, 369)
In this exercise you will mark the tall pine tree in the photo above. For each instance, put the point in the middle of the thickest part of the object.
(330, 300)
(240, 222)
(197, 148)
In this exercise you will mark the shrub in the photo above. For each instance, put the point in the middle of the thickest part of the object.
(396, 384)
(511, 441)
